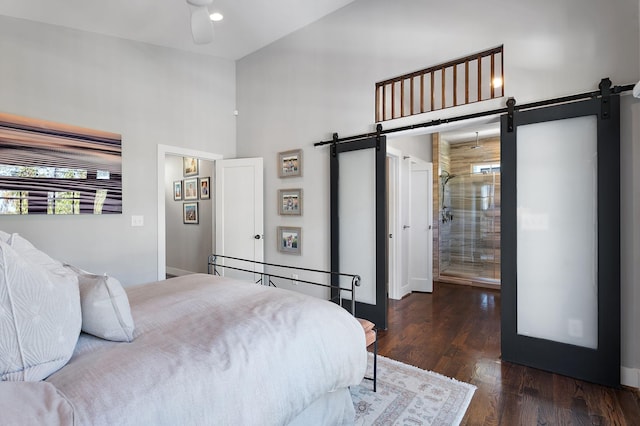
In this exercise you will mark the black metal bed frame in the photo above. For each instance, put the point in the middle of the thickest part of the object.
(266, 277)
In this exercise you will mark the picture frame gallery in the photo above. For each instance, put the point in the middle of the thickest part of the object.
(191, 189)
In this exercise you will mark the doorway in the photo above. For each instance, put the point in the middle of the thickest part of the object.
(468, 197)
(163, 152)
(410, 211)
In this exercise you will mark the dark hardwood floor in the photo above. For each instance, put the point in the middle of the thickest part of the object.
(455, 331)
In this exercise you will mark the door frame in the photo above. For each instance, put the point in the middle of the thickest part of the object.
(163, 151)
(393, 228)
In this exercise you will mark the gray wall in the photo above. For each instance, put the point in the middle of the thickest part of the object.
(148, 94)
(187, 245)
(321, 80)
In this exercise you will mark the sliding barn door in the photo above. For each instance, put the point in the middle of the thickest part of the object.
(561, 239)
(358, 222)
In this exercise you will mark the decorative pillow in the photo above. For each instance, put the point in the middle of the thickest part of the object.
(29, 252)
(105, 307)
(39, 318)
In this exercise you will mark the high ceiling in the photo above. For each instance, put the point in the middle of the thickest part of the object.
(248, 25)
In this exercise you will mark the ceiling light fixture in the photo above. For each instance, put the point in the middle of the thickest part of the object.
(216, 17)
(497, 82)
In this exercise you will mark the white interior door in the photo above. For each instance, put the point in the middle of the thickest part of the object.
(421, 232)
(239, 215)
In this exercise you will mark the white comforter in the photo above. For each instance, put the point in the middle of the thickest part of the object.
(211, 350)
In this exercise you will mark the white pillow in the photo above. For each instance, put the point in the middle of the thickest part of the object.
(39, 318)
(105, 307)
(29, 252)
(4, 237)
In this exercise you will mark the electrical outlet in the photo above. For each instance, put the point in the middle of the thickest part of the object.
(575, 328)
(295, 278)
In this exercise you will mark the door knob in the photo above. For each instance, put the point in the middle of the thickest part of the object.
(257, 236)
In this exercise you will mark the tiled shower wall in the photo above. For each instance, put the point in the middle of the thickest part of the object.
(469, 242)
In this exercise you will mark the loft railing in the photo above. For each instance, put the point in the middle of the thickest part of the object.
(474, 78)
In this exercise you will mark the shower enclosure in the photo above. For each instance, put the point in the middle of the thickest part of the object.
(470, 226)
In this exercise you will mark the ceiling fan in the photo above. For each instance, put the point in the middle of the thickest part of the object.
(201, 25)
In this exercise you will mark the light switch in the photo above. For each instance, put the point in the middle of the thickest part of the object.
(137, 220)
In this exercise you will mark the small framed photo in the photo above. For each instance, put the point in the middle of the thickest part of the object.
(204, 185)
(177, 190)
(190, 213)
(189, 166)
(290, 202)
(190, 188)
(289, 239)
(290, 163)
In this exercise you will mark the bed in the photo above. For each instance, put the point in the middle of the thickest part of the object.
(205, 349)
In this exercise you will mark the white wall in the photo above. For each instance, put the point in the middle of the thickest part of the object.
(187, 245)
(148, 94)
(321, 80)
(417, 146)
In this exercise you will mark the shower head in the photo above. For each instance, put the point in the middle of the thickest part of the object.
(476, 146)
(446, 176)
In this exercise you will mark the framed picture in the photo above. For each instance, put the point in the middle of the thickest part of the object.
(204, 185)
(190, 188)
(177, 190)
(289, 239)
(290, 202)
(189, 166)
(190, 213)
(290, 163)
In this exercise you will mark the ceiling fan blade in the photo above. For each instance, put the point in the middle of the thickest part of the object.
(201, 25)
(199, 2)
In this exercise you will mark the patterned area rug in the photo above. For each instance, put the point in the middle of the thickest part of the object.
(407, 395)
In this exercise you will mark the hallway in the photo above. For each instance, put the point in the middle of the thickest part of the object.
(455, 331)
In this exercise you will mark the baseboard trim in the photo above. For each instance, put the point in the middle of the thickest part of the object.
(630, 377)
(178, 272)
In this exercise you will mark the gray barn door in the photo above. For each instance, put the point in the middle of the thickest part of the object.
(359, 221)
(561, 239)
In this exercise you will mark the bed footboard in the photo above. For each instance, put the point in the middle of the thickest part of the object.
(341, 286)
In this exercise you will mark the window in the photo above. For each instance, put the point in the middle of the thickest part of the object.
(13, 202)
(485, 168)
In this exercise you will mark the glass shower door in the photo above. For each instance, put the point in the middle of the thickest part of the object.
(470, 226)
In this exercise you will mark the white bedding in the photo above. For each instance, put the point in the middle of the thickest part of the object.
(210, 350)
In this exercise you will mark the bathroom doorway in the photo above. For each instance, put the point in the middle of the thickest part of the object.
(468, 196)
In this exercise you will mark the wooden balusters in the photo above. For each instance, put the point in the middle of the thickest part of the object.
(447, 91)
